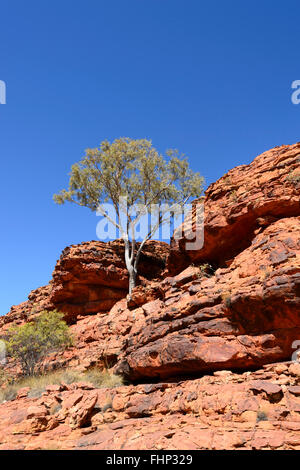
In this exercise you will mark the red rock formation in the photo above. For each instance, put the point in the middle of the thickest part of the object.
(88, 279)
(240, 204)
(240, 313)
(91, 277)
(243, 316)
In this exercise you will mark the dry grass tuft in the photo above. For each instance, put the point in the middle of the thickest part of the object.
(38, 383)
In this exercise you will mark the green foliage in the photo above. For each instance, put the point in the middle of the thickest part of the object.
(31, 342)
(9, 393)
(132, 168)
(206, 270)
(226, 298)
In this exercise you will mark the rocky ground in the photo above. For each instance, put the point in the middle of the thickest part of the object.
(205, 342)
(251, 410)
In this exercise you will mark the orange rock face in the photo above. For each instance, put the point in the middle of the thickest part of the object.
(234, 319)
(233, 305)
(91, 277)
(242, 203)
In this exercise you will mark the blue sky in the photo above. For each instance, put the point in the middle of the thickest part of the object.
(212, 79)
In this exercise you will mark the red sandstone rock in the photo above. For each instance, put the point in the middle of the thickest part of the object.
(196, 321)
(243, 316)
(229, 411)
(38, 300)
(240, 204)
(234, 319)
(80, 413)
(91, 277)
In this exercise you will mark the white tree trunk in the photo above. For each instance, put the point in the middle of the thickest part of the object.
(132, 279)
(131, 267)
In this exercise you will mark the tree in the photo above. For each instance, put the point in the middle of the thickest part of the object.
(31, 342)
(132, 171)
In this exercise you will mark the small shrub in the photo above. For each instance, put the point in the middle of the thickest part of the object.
(55, 408)
(294, 177)
(226, 298)
(31, 342)
(5, 379)
(206, 270)
(233, 195)
(9, 393)
(227, 180)
(266, 272)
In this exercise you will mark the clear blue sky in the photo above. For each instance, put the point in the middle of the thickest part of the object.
(212, 79)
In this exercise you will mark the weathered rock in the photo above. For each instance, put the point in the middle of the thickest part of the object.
(91, 277)
(240, 313)
(228, 411)
(81, 412)
(239, 205)
(243, 316)
(38, 300)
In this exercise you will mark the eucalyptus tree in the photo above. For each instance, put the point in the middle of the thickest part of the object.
(134, 178)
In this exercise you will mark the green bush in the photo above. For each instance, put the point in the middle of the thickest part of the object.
(31, 342)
